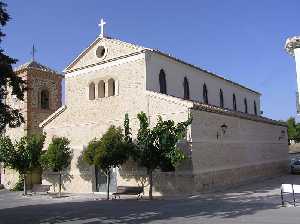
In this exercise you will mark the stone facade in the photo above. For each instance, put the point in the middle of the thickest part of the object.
(252, 145)
(38, 78)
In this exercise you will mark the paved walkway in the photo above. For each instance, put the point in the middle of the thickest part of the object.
(257, 202)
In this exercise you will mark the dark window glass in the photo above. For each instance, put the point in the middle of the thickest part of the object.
(234, 102)
(45, 99)
(255, 108)
(205, 95)
(186, 88)
(246, 105)
(162, 82)
(221, 98)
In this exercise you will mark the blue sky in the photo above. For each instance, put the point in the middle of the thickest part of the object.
(238, 39)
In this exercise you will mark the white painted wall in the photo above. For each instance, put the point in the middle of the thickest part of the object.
(175, 73)
(297, 59)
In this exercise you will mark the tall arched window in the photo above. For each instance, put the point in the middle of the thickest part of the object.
(221, 98)
(205, 95)
(162, 82)
(101, 89)
(234, 102)
(111, 87)
(45, 99)
(92, 91)
(246, 105)
(255, 108)
(186, 88)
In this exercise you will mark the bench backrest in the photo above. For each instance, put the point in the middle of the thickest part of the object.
(40, 188)
(129, 189)
(290, 188)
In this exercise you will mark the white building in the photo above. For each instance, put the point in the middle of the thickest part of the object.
(227, 142)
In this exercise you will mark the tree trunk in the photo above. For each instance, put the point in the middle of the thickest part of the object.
(150, 174)
(59, 192)
(96, 179)
(108, 183)
(24, 185)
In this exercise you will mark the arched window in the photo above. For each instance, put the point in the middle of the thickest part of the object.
(111, 87)
(92, 91)
(186, 88)
(205, 95)
(45, 99)
(221, 98)
(101, 89)
(246, 105)
(234, 102)
(162, 82)
(255, 108)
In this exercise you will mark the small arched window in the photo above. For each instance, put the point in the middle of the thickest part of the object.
(221, 98)
(111, 87)
(234, 102)
(246, 105)
(205, 94)
(162, 82)
(45, 99)
(101, 89)
(92, 91)
(186, 88)
(255, 108)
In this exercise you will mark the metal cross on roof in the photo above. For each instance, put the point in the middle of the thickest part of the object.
(33, 52)
(101, 25)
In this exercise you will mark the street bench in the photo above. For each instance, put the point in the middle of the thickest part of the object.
(129, 190)
(289, 189)
(40, 188)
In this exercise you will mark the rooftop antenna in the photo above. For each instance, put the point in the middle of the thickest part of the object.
(33, 53)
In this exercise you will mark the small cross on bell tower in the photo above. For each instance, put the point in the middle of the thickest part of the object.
(101, 25)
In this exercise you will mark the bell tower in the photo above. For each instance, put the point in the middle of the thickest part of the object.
(42, 98)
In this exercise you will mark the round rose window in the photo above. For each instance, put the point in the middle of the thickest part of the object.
(100, 52)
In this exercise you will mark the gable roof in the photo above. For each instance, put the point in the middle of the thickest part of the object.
(84, 52)
(142, 49)
(36, 66)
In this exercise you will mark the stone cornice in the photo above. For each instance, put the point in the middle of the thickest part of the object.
(291, 44)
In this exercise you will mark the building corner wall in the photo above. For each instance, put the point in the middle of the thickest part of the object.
(247, 150)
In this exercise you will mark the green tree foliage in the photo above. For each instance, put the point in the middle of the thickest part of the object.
(23, 156)
(293, 130)
(57, 157)
(157, 147)
(108, 152)
(10, 83)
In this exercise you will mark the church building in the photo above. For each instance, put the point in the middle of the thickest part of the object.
(228, 141)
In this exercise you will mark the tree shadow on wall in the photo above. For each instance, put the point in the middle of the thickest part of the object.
(131, 171)
(53, 178)
(86, 171)
(179, 181)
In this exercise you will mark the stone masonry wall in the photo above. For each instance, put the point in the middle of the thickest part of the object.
(246, 150)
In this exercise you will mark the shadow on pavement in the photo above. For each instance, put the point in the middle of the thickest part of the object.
(245, 200)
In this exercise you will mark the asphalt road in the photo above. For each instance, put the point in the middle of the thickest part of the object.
(257, 202)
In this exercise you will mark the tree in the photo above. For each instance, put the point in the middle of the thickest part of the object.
(293, 130)
(23, 156)
(10, 83)
(110, 151)
(157, 147)
(57, 157)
